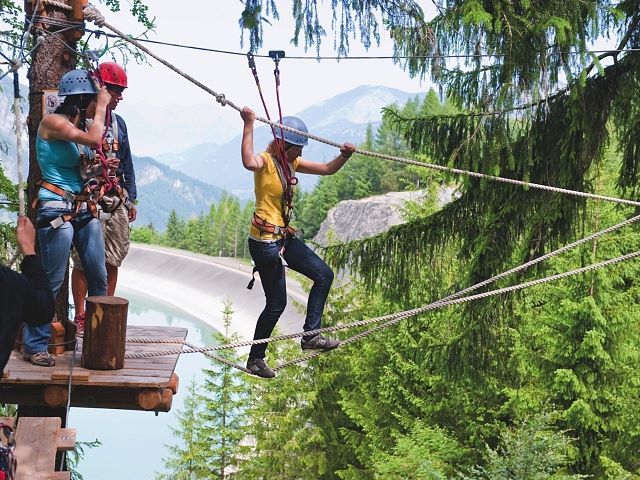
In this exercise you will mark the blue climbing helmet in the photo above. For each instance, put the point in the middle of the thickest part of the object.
(290, 137)
(77, 82)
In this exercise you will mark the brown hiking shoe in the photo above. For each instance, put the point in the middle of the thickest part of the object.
(40, 359)
(319, 343)
(258, 367)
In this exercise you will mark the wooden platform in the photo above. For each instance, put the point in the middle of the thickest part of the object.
(143, 384)
(37, 442)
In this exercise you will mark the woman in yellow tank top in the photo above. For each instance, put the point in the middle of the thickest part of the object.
(269, 234)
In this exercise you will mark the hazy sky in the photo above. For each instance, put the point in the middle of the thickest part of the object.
(215, 25)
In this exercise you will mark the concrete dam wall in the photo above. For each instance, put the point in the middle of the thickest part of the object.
(199, 285)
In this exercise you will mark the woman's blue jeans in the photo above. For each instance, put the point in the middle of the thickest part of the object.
(300, 258)
(85, 233)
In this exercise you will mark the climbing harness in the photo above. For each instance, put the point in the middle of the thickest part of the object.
(284, 169)
(8, 462)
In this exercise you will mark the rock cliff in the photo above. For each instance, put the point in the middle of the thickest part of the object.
(357, 219)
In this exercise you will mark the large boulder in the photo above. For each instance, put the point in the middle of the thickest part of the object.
(357, 219)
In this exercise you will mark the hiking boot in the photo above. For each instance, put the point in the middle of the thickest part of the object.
(258, 367)
(319, 343)
(79, 321)
(39, 359)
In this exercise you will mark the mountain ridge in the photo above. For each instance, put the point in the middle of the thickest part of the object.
(189, 181)
(342, 118)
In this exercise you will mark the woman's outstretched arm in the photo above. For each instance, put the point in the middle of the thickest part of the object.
(329, 168)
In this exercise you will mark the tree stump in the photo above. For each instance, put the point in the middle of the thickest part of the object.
(105, 333)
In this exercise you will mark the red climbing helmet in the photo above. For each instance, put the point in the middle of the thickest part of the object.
(112, 73)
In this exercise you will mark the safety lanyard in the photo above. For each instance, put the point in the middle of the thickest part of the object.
(110, 179)
(287, 179)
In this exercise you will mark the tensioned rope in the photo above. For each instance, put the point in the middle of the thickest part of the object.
(317, 58)
(394, 317)
(92, 14)
(393, 320)
(472, 288)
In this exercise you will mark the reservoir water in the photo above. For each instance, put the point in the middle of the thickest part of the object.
(134, 442)
(167, 287)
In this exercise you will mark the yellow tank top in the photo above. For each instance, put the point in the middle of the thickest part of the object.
(268, 192)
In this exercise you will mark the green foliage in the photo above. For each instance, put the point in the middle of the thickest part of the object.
(213, 424)
(225, 398)
(219, 232)
(188, 459)
(426, 452)
(349, 20)
(8, 202)
(75, 456)
(533, 450)
(145, 234)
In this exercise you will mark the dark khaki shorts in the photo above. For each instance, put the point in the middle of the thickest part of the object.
(116, 238)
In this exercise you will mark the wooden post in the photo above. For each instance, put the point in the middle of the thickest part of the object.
(57, 338)
(105, 333)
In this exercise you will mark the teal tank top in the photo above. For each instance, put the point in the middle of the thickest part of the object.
(59, 162)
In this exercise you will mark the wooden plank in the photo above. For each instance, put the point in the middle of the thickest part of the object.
(36, 446)
(53, 476)
(66, 439)
(76, 375)
(26, 383)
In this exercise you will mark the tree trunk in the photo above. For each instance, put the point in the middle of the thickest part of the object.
(50, 61)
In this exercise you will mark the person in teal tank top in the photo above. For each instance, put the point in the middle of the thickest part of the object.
(59, 161)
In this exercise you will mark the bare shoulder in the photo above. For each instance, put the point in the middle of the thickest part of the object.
(51, 123)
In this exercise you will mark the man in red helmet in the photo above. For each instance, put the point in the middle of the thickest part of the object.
(121, 207)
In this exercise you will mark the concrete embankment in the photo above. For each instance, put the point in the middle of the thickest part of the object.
(199, 285)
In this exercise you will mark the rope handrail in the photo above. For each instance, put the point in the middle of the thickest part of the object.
(92, 14)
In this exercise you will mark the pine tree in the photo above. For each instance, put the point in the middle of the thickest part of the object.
(174, 236)
(187, 460)
(225, 397)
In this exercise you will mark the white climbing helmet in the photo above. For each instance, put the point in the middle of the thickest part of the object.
(290, 137)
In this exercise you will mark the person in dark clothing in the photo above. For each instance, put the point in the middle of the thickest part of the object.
(24, 296)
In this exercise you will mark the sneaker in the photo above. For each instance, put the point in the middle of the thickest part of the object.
(40, 359)
(319, 343)
(79, 321)
(258, 367)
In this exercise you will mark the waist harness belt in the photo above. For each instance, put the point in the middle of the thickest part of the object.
(76, 198)
(265, 227)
